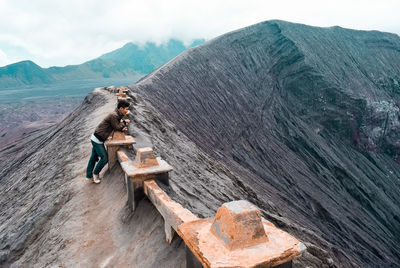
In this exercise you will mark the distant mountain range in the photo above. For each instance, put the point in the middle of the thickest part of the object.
(129, 61)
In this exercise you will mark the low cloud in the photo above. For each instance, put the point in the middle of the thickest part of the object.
(71, 32)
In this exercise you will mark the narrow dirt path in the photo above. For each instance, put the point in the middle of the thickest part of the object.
(102, 232)
(95, 228)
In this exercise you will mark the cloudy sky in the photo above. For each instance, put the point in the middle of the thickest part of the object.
(58, 33)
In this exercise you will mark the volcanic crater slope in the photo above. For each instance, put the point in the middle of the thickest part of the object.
(309, 117)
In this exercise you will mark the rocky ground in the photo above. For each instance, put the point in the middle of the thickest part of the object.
(20, 120)
(58, 219)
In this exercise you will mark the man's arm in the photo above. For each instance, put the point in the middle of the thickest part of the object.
(126, 122)
(116, 124)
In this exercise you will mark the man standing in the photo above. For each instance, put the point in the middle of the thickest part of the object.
(111, 123)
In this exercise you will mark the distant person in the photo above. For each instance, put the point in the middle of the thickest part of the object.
(110, 123)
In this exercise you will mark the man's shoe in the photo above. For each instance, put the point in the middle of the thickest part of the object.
(89, 180)
(96, 178)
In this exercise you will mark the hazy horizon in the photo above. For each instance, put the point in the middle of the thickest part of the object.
(58, 33)
(106, 52)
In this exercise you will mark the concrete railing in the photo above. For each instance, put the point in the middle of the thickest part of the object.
(236, 237)
(174, 214)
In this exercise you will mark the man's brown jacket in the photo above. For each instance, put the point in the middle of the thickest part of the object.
(109, 124)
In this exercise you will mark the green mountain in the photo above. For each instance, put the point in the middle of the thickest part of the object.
(130, 61)
(25, 73)
(149, 57)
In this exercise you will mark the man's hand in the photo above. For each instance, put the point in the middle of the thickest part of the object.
(124, 129)
(127, 121)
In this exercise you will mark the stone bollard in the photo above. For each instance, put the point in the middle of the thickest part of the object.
(146, 166)
(145, 157)
(111, 89)
(121, 93)
(238, 224)
(238, 237)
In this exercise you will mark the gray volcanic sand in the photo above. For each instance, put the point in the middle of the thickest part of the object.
(91, 226)
(94, 228)
(59, 219)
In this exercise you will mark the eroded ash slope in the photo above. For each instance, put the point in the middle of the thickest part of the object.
(52, 217)
(309, 117)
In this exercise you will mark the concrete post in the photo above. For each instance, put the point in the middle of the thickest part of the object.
(112, 156)
(238, 237)
(118, 139)
(169, 232)
(135, 192)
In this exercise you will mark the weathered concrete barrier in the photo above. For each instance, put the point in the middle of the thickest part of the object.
(121, 95)
(173, 213)
(238, 237)
(145, 166)
(114, 89)
(114, 143)
(111, 89)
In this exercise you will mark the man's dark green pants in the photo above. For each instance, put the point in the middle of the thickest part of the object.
(98, 151)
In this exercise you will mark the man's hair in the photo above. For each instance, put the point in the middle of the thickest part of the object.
(123, 104)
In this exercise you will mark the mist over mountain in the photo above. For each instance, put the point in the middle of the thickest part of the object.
(37, 92)
(309, 114)
(130, 61)
(150, 57)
